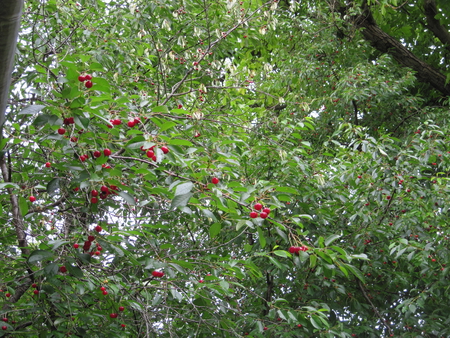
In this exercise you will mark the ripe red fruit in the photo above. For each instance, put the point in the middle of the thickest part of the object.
(121, 308)
(131, 124)
(105, 293)
(266, 210)
(165, 150)
(123, 325)
(257, 206)
(103, 288)
(113, 315)
(97, 154)
(91, 238)
(88, 77)
(215, 180)
(94, 200)
(81, 78)
(76, 245)
(253, 214)
(299, 325)
(94, 193)
(97, 253)
(388, 197)
(157, 273)
(8, 295)
(116, 122)
(48, 164)
(34, 285)
(104, 189)
(88, 84)
(197, 134)
(63, 269)
(98, 228)
(32, 199)
(99, 248)
(107, 152)
(5, 320)
(36, 292)
(263, 215)
(61, 131)
(4, 328)
(201, 281)
(150, 154)
(265, 328)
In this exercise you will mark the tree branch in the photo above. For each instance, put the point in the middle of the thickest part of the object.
(387, 44)
(434, 24)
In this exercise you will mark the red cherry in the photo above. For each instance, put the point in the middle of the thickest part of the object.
(107, 152)
(150, 154)
(253, 214)
(121, 308)
(48, 164)
(263, 215)
(165, 150)
(257, 206)
(98, 228)
(265, 328)
(266, 210)
(123, 325)
(131, 124)
(81, 78)
(215, 180)
(88, 77)
(63, 269)
(116, 122)
(97, 154)
(34, 285)
(32, 199)
(113, 315)
(157, 273)
(8, 295)
(299, 325)
(88, 84)
(103, 288)
(97, 253)
(388, 197)
(104, 189)
(94, 200)
(201, 281)
(61, 131)
(4, 328)
(94, 193)
(91, 238)
(76, 245)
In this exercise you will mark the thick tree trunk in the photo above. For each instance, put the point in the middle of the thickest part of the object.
(10, 15)
(387, 44)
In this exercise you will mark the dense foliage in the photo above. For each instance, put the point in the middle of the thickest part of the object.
(144, 139)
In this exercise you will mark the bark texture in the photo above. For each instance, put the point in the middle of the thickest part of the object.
(10, 16)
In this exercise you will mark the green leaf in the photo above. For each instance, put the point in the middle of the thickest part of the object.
(53, 187)
(127, 197)
(31, 110)
(75, 271)
(39, 255)
(354, 271)
(262, 239)
(178, 142)
(281, 253)
(180, 200)
(214, 229)
(183, 188)
(23, 206)
(330, 239)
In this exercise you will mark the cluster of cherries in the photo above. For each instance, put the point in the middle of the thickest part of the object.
(86, 79)
(263, 214)
(107, 152)
(151, 153)
(87, 244)
(297, 249)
